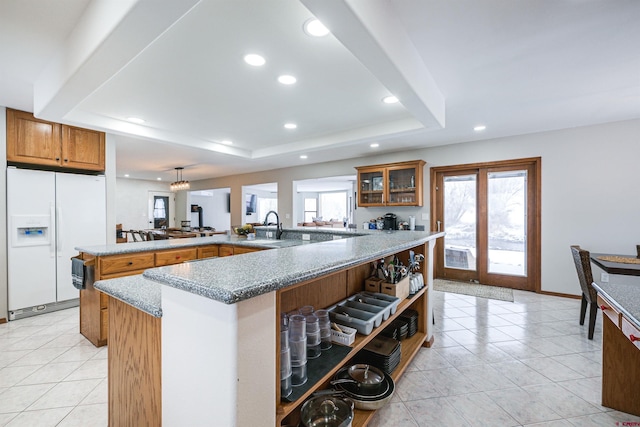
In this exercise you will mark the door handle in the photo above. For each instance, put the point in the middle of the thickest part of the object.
(438, 225)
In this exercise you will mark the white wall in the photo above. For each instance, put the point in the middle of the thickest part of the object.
(3, 215)
(132, 202)
(214, 209)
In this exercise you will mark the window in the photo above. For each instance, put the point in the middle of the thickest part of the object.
(266, 205)
(310, 209)
(333, 205)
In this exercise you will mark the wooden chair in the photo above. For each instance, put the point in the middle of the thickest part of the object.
(589, 295)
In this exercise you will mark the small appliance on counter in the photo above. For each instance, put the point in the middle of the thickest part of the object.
(390, 222)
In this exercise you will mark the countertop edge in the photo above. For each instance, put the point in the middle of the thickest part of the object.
(603, 289)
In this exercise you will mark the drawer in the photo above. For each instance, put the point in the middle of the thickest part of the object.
(207, 251)
(609, 311)
(631, 332)
(104, 324)
(240, 250)
(225, 250)
(175, 257)
(123, 263)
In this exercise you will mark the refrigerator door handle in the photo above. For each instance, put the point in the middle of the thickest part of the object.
(58, 231)
(52, 226)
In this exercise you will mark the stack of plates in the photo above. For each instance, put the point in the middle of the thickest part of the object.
(411, 318)
(381, 352)
(398, 329)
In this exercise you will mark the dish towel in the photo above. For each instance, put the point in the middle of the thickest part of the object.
(77, 273)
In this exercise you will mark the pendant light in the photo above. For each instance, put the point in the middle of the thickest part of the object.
(179, 184)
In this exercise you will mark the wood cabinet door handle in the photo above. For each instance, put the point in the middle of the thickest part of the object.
(178, 257)
(603, 307)
(66, 160)
(634, 338)
(130, 263)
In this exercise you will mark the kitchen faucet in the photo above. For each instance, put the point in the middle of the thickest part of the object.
(278, 223)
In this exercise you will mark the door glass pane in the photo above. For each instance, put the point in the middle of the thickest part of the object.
(160, 211)
(506, 222)
(460, 222)
(402, 185)
(371, 187)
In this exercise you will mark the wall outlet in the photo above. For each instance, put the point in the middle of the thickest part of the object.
(269, 234)
(306, 237)
(604, 277)
(287, 216)
(425, 216)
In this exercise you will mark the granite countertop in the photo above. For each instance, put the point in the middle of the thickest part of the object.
(624, 297)
(218, 239)
(141, 293)
(240, 277)
(237, 278)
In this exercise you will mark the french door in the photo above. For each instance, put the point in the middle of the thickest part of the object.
(491, 215)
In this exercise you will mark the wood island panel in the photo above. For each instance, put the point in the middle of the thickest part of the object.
(620, 370)
(135, 367)
(207, 251)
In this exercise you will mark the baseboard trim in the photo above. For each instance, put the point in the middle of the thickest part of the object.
(3, 320)
(558, 294)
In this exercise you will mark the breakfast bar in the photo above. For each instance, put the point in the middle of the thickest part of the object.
(217, 323)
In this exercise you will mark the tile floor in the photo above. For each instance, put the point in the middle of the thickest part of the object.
(496, 363)
(493, 363)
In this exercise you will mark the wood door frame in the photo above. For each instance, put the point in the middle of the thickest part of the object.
(533, 166)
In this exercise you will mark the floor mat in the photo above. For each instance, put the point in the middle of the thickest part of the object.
(473, 289)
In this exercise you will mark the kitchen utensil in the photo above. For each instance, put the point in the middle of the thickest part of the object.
(327, 411)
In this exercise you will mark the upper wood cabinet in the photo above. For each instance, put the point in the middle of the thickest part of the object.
(39, 142)
(391, 184)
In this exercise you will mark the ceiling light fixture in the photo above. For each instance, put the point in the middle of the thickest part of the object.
(304, 156)
(179, 183)
(374, 145)
(126, 175)
(315, 28)
(226, 142)
(254, 59)
(159, 179)
(287, 79)
(390, 99)
(135, 120)
(290, 125)
(479, 128)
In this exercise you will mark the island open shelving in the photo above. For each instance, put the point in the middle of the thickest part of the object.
(334, 287)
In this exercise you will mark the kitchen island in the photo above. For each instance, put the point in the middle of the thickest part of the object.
(219, 323)
(620, 305)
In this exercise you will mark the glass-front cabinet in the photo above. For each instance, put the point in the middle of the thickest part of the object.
(392, 184)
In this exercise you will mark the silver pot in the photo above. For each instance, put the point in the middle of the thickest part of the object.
(327, 411)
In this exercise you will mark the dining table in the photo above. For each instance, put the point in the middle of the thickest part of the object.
(626, 265)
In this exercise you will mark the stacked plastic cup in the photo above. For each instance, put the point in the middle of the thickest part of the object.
(313, 336)
(298, 348)
(285, 362)
(325, 329)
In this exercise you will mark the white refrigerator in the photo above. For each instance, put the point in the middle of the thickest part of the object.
(48, 215)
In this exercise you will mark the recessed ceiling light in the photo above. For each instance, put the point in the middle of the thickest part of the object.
(304, 156)
(254, 59)
(315, 28)
(479, 128)
(159, 179)
(290, 125)
(390, 99)
(226, 142)
(374, 145)
(135, 120)
(126, 175)
(287, 79)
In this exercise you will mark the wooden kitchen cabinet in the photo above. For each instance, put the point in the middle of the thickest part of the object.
(391, 184)
(39, 142)
(94, 307)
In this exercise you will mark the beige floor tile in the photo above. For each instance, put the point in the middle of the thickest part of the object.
(522, 406)
(40, 418)
(393, 415)
(87, 415)
(435, 412)
(65, 394)
(51, 373)
(19, 398)
(480, 411)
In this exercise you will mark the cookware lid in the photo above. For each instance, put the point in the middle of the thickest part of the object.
(366, 374)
